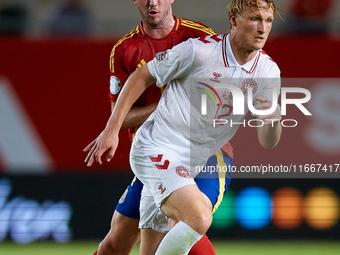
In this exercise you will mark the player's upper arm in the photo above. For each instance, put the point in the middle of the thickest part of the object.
(172, 64)
(272, 82)
(113, 105)
(118, 72)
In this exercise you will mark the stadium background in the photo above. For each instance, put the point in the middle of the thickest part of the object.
(53, 101)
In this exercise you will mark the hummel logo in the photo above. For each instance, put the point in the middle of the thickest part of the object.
(216, 76)
(161, 188)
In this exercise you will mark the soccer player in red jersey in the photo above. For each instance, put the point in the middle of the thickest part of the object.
(158, 31)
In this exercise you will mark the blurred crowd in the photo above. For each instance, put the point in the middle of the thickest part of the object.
(57, 18)
(104, 17)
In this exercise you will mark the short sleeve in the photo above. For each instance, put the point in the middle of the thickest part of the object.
(272, 82)
(118, 74)
(172, 64)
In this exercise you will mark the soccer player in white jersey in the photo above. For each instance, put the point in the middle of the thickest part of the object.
(177, 138)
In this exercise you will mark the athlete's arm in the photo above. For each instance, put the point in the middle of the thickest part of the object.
(108, 139)
(137, 115)
(269, 134)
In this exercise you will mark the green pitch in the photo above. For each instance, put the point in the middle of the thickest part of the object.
(222, 248)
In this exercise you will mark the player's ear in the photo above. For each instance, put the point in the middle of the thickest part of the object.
(232, 20)
(134, 2)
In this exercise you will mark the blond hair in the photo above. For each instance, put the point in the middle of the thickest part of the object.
(237, 7)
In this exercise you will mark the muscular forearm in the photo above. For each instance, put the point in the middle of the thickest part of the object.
(108, 138)
(269, 126)
(137, 115)
(269, 135)
(133, 88)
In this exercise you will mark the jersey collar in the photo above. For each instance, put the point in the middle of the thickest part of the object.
(230, 61)
(176, 26)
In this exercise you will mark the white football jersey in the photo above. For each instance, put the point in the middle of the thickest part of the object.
(197, 98)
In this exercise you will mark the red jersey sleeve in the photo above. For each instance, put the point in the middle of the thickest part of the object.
(118, 73)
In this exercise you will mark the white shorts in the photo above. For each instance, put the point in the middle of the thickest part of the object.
(151, 216)
(161, 173)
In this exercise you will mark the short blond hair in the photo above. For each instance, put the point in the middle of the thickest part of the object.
(237, 7)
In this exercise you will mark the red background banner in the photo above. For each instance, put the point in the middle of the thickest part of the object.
(62, 86)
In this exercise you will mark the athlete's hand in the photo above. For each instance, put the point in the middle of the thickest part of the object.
(266, 104)
(105, 141)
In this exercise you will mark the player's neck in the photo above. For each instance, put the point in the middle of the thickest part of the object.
(241, 54)
(160, 31)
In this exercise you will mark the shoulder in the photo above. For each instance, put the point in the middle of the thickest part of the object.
(196, 28)
(128, 43)
(268, 63)
(129, 39)
(203, 48)
(208, 42)
(266, 56)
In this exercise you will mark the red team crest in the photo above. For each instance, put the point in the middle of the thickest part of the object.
(183, 172)
(249, 83)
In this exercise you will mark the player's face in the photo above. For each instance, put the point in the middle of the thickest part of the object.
(155, 12)
(252, 28)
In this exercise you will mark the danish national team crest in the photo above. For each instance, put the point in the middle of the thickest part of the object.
(160, 56)
(183, 172)
(249, 83)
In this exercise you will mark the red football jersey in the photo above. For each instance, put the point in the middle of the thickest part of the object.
(136, 48)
